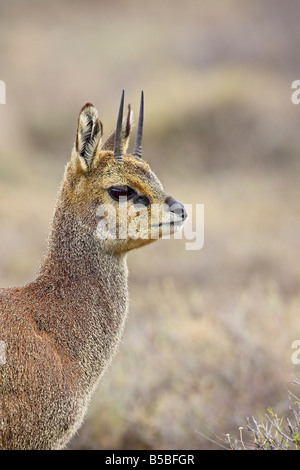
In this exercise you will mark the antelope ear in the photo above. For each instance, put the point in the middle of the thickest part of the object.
(89, 133)
(126, 129)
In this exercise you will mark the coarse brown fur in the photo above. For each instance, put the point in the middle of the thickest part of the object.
(61, 330)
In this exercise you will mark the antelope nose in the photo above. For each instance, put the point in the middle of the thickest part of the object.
(176, 207)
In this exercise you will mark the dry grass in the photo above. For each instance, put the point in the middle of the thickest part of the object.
(208, 339)
(270, 433)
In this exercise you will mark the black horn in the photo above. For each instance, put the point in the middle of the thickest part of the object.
(118, 145)
(137, 151)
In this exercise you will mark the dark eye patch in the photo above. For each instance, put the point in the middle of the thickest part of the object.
(142, 200)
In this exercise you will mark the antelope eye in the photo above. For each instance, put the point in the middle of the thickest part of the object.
(116, 192)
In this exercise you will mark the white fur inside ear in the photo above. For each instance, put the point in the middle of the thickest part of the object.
(88, 135)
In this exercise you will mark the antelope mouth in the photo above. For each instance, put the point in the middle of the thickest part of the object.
(172, 223)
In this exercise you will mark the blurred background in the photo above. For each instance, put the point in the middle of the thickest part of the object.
(209, 334)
